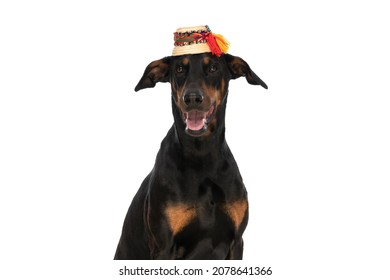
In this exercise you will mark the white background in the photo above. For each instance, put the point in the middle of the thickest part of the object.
(76, 141)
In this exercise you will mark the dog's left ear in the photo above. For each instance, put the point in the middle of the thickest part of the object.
(156, 71)
(239, 68)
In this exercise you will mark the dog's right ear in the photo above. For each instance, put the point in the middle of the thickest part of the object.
(157, 71)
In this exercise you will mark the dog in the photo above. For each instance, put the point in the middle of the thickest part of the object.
(193, 204)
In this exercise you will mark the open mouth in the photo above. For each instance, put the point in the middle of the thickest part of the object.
(197, 121)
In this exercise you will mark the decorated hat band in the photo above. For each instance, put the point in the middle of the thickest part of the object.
(198, 39)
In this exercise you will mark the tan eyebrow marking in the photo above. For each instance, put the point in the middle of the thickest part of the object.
(185, 61)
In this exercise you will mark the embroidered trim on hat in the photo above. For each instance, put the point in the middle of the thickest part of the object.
(189, 38)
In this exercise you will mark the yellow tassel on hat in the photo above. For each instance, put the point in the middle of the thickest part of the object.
(223, 44)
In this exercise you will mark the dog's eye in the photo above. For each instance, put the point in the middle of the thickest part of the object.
(179, 69)
(212, 68)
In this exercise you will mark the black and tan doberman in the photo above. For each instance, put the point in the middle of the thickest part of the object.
(193, 204)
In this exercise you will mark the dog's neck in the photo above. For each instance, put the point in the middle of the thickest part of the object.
(210, 144)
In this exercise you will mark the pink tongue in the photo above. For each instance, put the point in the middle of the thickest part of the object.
(196, 120)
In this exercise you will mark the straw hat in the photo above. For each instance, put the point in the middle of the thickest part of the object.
(198, 39)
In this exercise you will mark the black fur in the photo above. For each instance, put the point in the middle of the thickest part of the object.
(193, 204)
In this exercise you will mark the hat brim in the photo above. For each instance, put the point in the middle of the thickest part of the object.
(191, 49)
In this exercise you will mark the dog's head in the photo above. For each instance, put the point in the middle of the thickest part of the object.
(199, 85)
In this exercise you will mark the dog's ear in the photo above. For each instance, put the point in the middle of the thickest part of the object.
(239, 68)
(156, 71)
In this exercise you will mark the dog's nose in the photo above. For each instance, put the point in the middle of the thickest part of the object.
(193, 97)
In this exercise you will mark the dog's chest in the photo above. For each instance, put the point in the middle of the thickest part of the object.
(205, 211)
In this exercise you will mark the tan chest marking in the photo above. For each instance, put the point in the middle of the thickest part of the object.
(179, 215)
(236, 211)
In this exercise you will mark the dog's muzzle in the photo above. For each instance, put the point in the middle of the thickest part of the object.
(197, 121)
